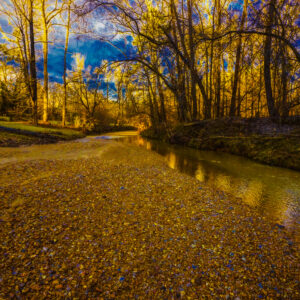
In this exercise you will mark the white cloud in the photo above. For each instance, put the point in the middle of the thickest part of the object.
(107, 30)
(99, 26)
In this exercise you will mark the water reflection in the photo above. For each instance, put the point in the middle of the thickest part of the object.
(274, 191)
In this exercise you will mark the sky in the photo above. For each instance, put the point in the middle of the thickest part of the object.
(94, 51)
(93, 48)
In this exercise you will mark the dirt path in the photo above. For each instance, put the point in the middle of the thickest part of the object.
(104, 220)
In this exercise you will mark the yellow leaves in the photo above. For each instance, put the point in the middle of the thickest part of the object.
(78, 62)
(59, 286)
(35, 287)
(5, 37)
(153, 239)
(18, 202)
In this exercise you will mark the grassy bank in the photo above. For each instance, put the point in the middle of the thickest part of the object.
(13, 134)
(122, 225)
(261, 140)
(99, 129)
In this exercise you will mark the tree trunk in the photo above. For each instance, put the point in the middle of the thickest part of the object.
(218, 66)
(33, 76)
(192, 60)
(223, 89)
(27, 41)
(162, 100)
(211, 69)
(25, 63)
(64, 108)
(273, 112)
(259, 94)
(153, 101)
(152, 112)
(237, 63)
(284, 80)
(180, 93)
(45, 54)
(218, 92)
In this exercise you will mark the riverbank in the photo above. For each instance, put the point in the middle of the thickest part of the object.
(259, 140)
(108, 220)
(14, 134)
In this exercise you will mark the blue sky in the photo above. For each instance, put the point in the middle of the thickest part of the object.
(93, 49)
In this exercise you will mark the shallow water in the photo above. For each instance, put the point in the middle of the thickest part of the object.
(274, 191)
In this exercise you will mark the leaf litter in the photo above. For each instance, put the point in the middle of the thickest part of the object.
(123, 225)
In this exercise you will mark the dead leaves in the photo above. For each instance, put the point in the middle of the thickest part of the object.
(127, 228)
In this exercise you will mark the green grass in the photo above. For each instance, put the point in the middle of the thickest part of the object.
(3, 118)
(9, 139)
(59, 132)
(58, 123)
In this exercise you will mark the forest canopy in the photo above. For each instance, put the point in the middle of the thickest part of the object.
(148, 62)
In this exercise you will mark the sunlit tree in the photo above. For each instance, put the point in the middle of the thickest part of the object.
(49, 9)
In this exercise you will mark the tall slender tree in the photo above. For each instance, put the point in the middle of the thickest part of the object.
(233, 105)
(33, 73)
(267, 60)
(68, 27)
(49, 10)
